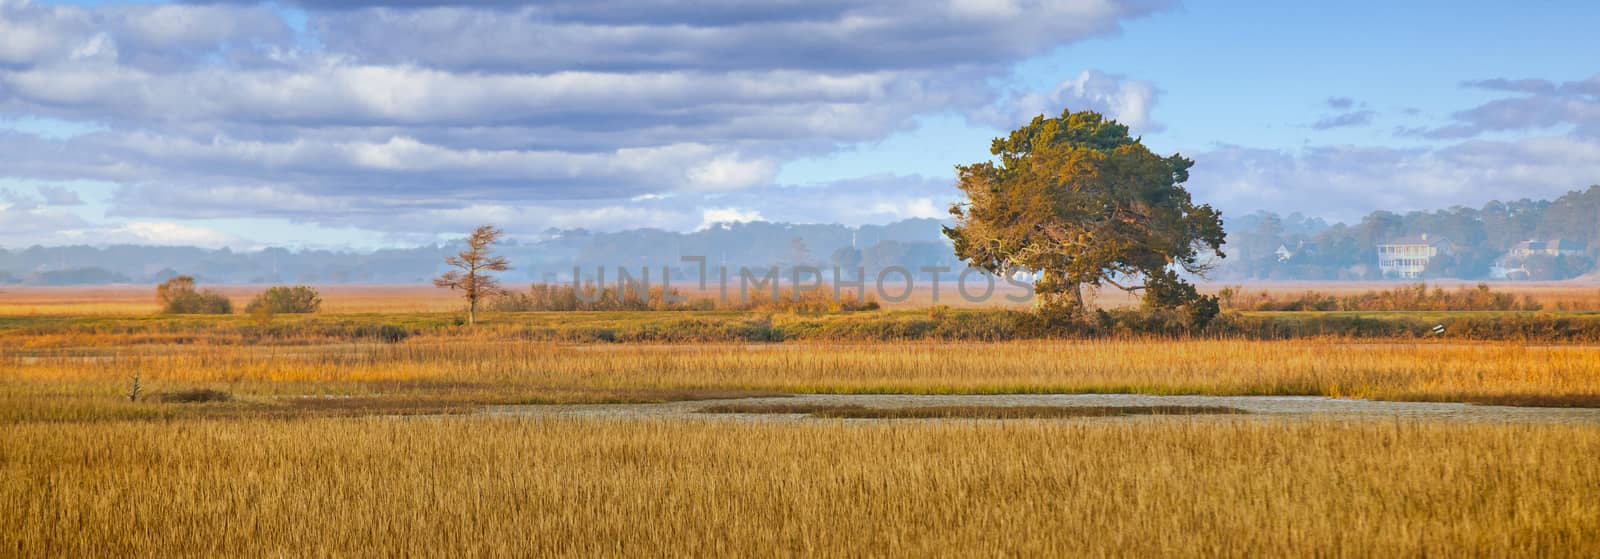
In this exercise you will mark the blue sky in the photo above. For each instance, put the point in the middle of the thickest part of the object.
(367, 124)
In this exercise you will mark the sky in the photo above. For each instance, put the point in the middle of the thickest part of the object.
(367, 124)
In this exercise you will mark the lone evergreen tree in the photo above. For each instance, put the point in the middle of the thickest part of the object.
(1080, 201)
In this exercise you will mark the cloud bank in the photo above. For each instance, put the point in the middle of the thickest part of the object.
(374, 109)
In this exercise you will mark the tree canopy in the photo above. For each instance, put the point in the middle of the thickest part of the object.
(1079, 200)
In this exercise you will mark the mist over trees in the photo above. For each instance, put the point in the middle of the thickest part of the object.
(1266, 246)
(1318, 250)
(551, 257)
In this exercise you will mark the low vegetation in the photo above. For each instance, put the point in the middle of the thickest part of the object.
(178, 296)
(590, 298)
(299, 299)
(1416, 297)
(935, 324)
(193, 396)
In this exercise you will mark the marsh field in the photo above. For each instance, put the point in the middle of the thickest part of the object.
(367, 429)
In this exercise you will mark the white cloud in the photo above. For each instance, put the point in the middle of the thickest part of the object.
(1350, 181)
(168, 233)
(100, 47)
(1129, 101)
(1542, 104)
(912, 208)
(714, 216)
(730, 173)
(378, 109)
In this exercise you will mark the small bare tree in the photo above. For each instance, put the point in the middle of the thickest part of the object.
(472, 268)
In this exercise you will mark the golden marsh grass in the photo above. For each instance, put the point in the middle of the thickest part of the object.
(299, 444)
(349, 298)
(495, 487)
(430, 377)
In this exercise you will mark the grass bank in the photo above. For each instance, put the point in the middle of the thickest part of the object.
(454, 376)
(937, 324)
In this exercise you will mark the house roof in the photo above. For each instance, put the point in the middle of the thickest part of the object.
(1417, 240)
(1568, 244)
(1556, 244)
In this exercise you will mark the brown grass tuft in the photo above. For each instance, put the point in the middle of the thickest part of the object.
(194, 396)
(1537, 400)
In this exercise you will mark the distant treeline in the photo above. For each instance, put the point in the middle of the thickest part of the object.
(552, 257)
(1480, 241)
(1312, 249)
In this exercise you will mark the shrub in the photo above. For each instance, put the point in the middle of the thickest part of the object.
(1201, 312)
(286, 300)
(198, 395)
(178, 296)
(388, 333)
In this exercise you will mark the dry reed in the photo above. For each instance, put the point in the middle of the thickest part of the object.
(491, 487)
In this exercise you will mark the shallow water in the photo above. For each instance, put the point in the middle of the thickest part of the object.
(1260, 407)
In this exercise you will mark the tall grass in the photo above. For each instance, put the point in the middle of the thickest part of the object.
(937, 324)
(244, 443)
(488, 487)
(1386, 296)
(1416, 297)
(416, 377)
(566, 297)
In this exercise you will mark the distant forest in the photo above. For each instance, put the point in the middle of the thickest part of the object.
(550, 258)
(1265, 246)
(1261, 246)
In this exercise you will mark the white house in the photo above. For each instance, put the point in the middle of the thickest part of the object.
(1408, 257)
(1557, 247)
(1300, 249)
(1514, 265)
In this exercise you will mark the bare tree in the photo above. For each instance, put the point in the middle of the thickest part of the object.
(472, 267)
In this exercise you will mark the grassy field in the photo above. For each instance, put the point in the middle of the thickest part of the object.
(357, 433)
(459, 376)
(491, 487)
(67, 332)
(127, 300)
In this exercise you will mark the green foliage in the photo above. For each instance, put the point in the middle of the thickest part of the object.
(178, 296)
(1201, 311)
(1077, 198)
(285, 300)
(1481, 239)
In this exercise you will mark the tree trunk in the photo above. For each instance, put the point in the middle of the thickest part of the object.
(1051, 297)
(472, 311)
